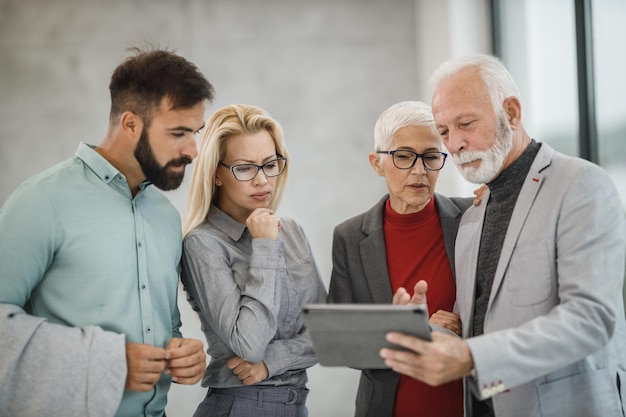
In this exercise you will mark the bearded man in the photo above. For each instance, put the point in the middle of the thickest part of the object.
(89, 258)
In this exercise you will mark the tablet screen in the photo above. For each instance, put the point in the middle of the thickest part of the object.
(353, 334)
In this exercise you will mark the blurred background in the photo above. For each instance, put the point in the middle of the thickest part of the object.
(325, 70)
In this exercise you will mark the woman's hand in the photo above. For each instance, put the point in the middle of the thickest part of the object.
(249, 373)
(447, 320)
(479, 193)
(262, 224)
(402, 296)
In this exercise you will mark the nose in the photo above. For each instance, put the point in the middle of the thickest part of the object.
(418, 167)
(455, 141)
(190, 149)
(260, 178)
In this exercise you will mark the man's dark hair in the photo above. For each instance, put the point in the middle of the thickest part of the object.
(143, 80)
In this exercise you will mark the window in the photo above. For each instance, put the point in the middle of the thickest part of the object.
(537, 40)
(609, 36)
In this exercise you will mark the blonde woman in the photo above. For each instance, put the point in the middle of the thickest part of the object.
(247, 272)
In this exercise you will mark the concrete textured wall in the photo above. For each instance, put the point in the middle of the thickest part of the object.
(324, 69)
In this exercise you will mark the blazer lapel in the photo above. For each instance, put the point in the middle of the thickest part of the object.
(449, 215)
(524, 203)
(374, 255)
(466, 260)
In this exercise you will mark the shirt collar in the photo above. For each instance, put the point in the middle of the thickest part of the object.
(231, 227)
(100, 166)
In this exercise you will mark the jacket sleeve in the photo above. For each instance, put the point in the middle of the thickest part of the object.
(57, 371)
(244, 318)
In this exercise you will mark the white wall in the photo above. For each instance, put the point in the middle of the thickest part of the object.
(324, 69)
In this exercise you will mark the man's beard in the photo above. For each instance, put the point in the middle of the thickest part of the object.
(158, 175)
(491, 160)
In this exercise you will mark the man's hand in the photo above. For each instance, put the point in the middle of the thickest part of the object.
(445, 359)
(145, 364)
(186, 360)
(249, 373)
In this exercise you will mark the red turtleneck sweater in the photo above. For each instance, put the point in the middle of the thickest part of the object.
(415, 251)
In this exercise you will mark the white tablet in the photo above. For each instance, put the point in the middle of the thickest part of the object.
(353, 334)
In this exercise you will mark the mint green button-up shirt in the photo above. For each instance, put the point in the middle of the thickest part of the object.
(78, 249)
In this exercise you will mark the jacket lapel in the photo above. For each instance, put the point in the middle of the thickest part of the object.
(449, 215)
(524, 203)
(374, 255)
(466, 260)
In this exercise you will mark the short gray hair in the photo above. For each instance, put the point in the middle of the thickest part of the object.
(399, 115)
(499, 82)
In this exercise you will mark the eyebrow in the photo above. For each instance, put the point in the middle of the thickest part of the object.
(186, 129)
(463, 116)
(250, 161)
(431, 149)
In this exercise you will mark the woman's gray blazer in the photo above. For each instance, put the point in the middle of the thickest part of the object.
(360, 275)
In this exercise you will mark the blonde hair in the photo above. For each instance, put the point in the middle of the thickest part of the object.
(229, 121)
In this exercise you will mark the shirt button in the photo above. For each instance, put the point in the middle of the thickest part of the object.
(148, 329)
(143, 286)
(139, 244)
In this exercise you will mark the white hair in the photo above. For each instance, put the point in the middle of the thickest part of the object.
(499, 82)
(398, 116)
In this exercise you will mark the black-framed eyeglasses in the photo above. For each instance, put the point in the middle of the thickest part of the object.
(247, 172)
(405, 159)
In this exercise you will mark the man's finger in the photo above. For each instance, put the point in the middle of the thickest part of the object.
(178, 348)
(410, 342)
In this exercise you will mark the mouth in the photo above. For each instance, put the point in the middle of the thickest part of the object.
(465, 160)
(418, 186)
(178, 165)
(470, 164)
(261, 196)
(178, 168)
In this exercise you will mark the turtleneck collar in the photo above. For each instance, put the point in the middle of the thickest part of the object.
(512, 177)
(428, 213)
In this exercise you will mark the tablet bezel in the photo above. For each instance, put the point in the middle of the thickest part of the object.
(352, 335)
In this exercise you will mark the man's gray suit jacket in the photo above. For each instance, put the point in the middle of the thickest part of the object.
(555, 334)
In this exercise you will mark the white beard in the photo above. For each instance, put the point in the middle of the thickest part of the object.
(491, 160)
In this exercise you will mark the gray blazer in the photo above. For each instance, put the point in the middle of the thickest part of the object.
(360, 275)
(555, 334)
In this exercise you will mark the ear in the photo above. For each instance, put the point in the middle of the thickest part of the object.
(218, 181)
(375, 163)
(131, 124)
(513, 111)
